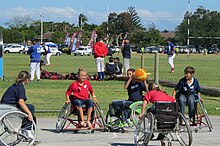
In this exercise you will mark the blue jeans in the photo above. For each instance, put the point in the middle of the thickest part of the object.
(26, 123)
(80, 102)
(191, 104)
(122, 106)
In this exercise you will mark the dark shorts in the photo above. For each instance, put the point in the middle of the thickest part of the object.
(80, 102)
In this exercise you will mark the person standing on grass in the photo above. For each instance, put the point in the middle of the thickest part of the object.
(48, 54)
(100, 52)
(171, 54)
(126, 53)
(34, 51)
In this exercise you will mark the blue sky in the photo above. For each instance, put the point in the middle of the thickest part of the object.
(165, 14)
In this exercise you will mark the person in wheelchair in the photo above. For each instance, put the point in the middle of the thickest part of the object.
(134, 89)
(185, 90)
(16, 95)
(79, 89)
(155, 94)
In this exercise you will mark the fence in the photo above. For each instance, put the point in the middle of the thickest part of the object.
(50, 94)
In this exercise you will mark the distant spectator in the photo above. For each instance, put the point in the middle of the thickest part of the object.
(171, 54)
(111, 67)
(126, 53)
(34, 52)
(100, 52)
(119, 65)
(47, 54)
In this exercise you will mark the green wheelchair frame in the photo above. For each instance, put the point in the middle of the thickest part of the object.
(116, 124)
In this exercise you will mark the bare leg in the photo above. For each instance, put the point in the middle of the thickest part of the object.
(89, 112)
(81, 115)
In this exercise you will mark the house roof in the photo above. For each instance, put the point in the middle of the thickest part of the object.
(167, 35)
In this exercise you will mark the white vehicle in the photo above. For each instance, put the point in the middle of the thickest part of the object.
(16, 48)
(83, 50)
(54, 51)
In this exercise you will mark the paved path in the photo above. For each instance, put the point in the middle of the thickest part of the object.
(48, 137)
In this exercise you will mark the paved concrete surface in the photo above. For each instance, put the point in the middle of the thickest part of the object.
(48, 137)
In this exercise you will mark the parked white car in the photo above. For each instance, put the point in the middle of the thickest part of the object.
(54, 51)
(15, 48)
(83, 50)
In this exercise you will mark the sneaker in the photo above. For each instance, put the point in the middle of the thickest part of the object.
(152, 136)
(28, 134)
(37, 142)
(160, 136)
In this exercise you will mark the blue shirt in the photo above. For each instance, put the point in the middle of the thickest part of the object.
(13, 94)
(170, 48)
(135, 91)
(34, 52)
(184, 88)
(126, 51)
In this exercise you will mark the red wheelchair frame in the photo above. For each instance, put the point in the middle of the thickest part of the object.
(69, 113)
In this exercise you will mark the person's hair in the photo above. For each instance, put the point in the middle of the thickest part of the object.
(131, 70)
(189, 69)
(156, 87)
(98, 39)
(22, 76)
(117, 58)
(111, 59)
(80, 69)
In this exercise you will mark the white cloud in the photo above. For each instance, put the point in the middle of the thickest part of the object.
(68, 14)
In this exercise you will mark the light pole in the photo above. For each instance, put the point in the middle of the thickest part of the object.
(188, 13)
(41, 30)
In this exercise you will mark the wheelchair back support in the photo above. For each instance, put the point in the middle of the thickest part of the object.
(166, 115)
(5, 108)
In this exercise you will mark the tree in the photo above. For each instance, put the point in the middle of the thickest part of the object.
(82, 20)
(134, 16)
(204, 27)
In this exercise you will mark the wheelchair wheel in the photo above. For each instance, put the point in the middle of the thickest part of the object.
(112, 122)
(62, 117)
(98, 120)
(15, 130)
(204, 113)
(135, 112)
(183, 131)
(144, 130)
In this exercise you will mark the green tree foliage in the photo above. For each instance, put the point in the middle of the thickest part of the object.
(204, 27)
(82, 20)
(134, 16)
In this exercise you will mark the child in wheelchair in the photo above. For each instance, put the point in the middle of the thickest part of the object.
(79, 89)
(134, 89)
(16, 95)
(185, 92)
(155, 94)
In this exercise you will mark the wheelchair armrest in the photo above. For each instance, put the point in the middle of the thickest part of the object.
(135, 103)
(197, 97)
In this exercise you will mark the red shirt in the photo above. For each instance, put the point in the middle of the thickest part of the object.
(100, 50)
(80, 91)
(153, 96)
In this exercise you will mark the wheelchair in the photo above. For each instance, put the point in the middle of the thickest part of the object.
(165, 120)
(70, 113)
(116, 123)
(12, 129)
(201, 119)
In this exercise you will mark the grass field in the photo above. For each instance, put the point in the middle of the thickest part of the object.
(50, 94)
